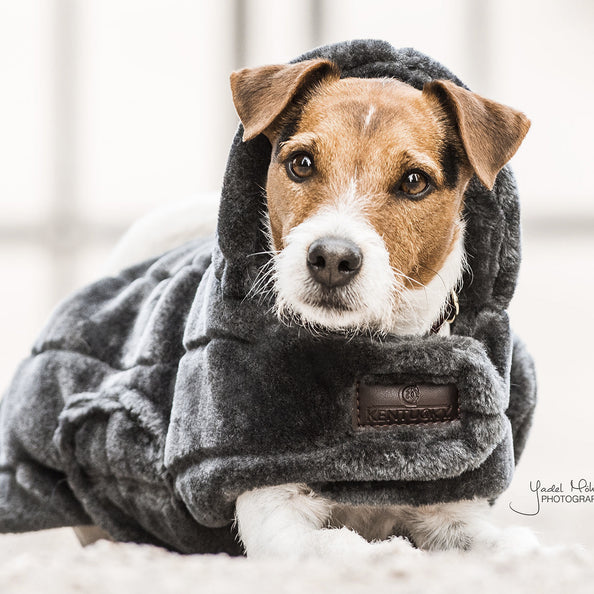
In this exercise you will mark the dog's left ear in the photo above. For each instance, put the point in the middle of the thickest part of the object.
(261, 94)
(490, 132)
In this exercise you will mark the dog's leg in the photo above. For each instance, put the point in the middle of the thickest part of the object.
(462, 525)
(291, 521)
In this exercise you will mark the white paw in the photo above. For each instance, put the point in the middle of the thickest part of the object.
(515, 540)
(518, 540)
(345, 543)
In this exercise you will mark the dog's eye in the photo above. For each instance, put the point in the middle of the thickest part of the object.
(300, 166)
(415, 184)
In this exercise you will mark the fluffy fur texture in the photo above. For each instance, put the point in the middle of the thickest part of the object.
(153, 399)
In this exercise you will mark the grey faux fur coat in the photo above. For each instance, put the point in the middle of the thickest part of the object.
(152, 399)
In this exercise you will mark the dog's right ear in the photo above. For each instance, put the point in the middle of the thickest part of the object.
(262, 94)
(490, 132)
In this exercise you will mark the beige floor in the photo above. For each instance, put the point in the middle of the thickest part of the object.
(52, 563)
(552, 313)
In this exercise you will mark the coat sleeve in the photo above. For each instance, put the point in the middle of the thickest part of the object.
(34, 492)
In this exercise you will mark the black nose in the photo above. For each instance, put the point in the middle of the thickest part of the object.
(333, 261)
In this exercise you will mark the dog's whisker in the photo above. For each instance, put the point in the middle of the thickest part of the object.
(412, 280)
(436, 274)
(264, 253)
(423, 286)
(262, 283)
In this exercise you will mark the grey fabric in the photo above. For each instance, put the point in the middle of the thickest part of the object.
(153, 399)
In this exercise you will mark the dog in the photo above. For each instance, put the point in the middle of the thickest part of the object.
(365, 194)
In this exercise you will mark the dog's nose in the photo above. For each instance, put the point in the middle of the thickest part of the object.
(334, 261)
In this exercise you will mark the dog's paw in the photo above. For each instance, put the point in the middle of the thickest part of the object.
(344, 543)
(480, 538)
(518, 540)
(515, 540)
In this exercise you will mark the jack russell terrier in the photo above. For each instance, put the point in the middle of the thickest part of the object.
(365, 195)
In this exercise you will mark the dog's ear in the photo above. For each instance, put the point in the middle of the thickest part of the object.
(261, 94)
(491, 132)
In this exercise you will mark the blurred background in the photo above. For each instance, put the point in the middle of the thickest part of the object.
(110, 108)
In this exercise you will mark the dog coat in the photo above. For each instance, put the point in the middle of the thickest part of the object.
(154, 398)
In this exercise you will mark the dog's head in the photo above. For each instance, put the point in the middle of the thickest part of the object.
(365, 189)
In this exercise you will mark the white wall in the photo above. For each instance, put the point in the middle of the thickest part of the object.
(25, 110)
(156, 118)
(151, 114)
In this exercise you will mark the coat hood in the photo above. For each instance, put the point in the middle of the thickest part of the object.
(492, 217)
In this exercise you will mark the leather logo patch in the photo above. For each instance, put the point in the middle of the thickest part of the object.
(405, 404)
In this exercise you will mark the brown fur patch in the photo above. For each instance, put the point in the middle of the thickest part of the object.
(404, 130)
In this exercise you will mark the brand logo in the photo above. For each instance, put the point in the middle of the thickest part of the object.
(377, 415)
(380, 404)
(410, 395)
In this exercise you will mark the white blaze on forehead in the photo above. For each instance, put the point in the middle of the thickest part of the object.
(368, 116)
(349, 201)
